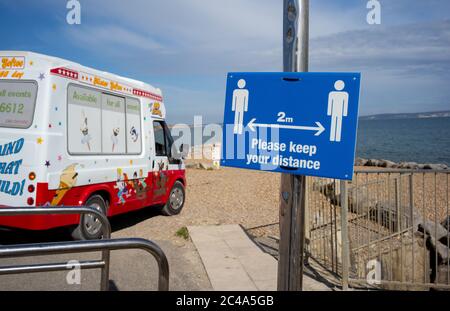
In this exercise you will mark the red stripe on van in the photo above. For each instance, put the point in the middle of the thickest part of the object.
(64, 72)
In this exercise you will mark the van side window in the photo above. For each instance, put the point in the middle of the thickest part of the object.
(84, 120)
(18, 99)
(160, 139)
(134, 132)
(113, 124)
(102, 123)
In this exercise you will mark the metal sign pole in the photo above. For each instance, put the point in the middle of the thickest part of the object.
(293, 187)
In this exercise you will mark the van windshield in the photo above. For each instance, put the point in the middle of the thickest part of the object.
(17, 102)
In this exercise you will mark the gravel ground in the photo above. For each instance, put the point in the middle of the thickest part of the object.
(214, 197)
(225, 196)
(234, 196)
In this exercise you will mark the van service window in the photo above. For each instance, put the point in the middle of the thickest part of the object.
(83, 120)
(17, 103)
(113, 124)
(134, 133)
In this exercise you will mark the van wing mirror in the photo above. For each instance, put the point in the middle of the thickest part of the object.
(184, 150)
(181, 153)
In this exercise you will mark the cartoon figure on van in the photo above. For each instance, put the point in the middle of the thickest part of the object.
(129, 184)
(121, 187)
(156, 109)
(87, 168)
(142, 179)
(138, 185)
(121, 191)
(162, 180)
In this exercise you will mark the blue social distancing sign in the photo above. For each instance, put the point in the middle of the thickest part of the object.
(297, 123)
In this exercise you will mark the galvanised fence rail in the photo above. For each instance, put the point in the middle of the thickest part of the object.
(105, 245)
(386, 229)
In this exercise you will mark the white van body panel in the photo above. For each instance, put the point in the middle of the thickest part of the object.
(45, 150)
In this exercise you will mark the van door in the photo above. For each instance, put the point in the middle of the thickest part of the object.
(161, 173)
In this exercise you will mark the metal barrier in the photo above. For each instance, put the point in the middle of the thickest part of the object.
(78, 246)
(83, 246)
(70, 210)
(386, 229)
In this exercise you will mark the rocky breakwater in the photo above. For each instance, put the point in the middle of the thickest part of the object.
(400, 165)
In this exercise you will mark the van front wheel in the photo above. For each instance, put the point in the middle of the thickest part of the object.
(176, 199)
(90, 227)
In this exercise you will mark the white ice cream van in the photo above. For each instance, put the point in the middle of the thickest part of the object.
(72, 135)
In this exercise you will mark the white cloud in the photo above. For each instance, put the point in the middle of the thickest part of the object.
(405, 61)
(194, 24)
(110, 37)
(408, 49)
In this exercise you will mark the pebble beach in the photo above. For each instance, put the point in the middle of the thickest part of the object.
(236, 196)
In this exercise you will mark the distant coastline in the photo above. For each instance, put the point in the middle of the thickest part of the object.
(416, 115)
(382, 116)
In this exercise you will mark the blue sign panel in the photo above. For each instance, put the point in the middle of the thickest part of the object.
(296, 123)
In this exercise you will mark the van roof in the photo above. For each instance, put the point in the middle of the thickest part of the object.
(48, 62)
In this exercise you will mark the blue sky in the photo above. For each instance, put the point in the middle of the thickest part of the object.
(186, 47)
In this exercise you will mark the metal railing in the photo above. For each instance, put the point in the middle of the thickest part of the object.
(386, 229)
(28, 250)
(105, 246)
(70, 210)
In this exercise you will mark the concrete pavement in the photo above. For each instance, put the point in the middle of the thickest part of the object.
(130, 269)
(233, 262)
(220, 258)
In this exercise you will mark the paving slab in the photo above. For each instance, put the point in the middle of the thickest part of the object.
(234, 262)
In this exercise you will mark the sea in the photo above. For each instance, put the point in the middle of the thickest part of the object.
(421, 140)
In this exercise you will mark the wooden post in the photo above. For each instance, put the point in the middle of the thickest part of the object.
(293, 187)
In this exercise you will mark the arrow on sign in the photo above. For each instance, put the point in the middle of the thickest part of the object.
(319, 128)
